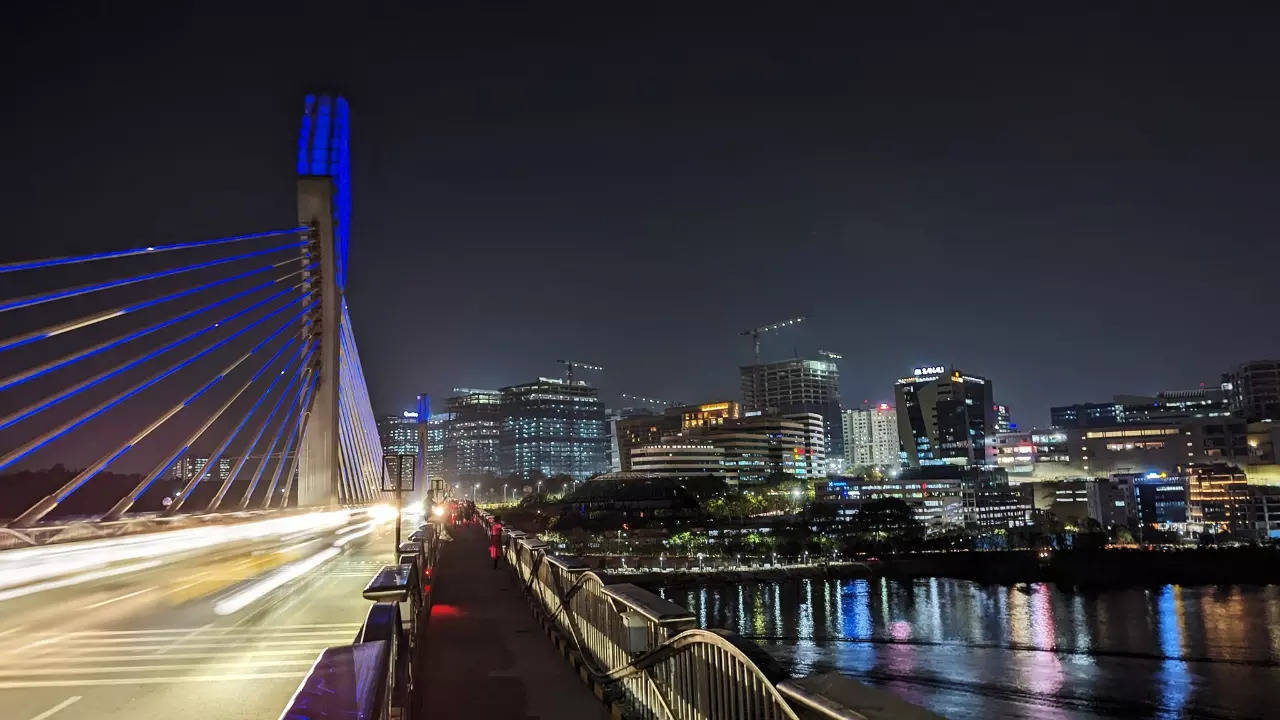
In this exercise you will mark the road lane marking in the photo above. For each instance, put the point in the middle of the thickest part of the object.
(83, 682)
(122, 597)
(189, 629)
(197, 636)
(26, 672)
(58, 708)
(74, 659)
(184, 638)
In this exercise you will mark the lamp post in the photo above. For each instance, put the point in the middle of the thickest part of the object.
(474, 488)
(504, 492)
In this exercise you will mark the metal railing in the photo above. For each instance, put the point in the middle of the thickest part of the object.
(650, 649)
(374, 677)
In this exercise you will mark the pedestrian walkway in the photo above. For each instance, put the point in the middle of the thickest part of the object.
(486, 657)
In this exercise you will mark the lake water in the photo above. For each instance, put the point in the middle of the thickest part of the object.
(967, 650)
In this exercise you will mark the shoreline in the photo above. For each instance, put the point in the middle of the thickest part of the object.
(1106, 568)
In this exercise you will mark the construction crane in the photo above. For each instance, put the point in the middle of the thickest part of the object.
(755, 333)
(651, 401)
(569, 365)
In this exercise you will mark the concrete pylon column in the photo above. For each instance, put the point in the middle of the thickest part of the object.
(318, 471)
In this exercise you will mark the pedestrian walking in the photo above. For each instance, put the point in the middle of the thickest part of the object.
(495, 541)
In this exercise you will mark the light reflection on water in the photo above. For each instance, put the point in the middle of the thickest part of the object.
(969, 650)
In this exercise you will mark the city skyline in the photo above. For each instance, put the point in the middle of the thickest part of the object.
(1080, 225)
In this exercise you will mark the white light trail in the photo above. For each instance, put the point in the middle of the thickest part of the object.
(243, 598)
(80, 561)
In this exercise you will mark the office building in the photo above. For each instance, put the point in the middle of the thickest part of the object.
(399, 433)
(1169, 407)
(1217, 498)
(433, 445)
(1004, 421)
(636, 429)
(680, 459)
(1263, 521)
(871, 437)
(472, 434)
(1254, 389)
(945, 416)
(707, 415)
(1160, 499)
(553, 427)
(760, 447)
(1145, 448)
(188, 467)
(941, 496)
(795, 386)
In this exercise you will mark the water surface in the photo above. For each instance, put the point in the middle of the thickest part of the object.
(1035, 650)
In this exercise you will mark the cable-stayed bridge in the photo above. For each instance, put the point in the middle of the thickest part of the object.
(190, 470)
(221, 372)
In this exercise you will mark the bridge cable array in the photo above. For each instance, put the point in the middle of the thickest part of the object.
(233, 347)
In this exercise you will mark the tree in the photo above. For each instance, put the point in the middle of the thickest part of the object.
(887, 518)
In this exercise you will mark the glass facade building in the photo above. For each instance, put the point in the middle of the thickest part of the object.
(553, 427)
(945, 417)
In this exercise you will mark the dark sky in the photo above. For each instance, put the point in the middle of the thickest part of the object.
(1074, 203)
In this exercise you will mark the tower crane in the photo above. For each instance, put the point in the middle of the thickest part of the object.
(569, 365)
(651, 401)
(755, 333)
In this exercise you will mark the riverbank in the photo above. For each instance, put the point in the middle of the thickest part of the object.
(1083, 568)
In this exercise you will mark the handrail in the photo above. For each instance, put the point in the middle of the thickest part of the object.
(648, 647)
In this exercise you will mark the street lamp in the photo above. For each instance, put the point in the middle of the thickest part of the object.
(504, 492)
(473, 491)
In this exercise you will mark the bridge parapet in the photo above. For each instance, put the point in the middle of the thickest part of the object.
(649, 655)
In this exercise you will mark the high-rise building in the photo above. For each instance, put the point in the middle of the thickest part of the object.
(399, 433)
(794, 386)
(433, 445)
(945, 417)
(1254, 389)
(553, 427)
(871, 437)
(472, 434)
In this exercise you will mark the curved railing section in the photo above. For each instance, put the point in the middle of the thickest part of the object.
(648, 649)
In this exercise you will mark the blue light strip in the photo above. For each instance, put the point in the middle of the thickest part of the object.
(52, 435)
(60, 328)
(324, 150)
(53, 262)
(107, 285)
(103, 463)
(271, 416)
(80, 387)
(150, 479)
(26, 375)
(299, 423)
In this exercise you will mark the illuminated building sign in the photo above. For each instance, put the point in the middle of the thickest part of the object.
(929, 370)
(409, 414)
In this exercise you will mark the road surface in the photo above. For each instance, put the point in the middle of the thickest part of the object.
(223, 632)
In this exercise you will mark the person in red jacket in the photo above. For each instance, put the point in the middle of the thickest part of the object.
(495, 541)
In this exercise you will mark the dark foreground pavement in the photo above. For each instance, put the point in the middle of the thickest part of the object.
(486, 657)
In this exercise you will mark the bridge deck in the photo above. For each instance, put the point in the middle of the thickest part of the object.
(485, 655)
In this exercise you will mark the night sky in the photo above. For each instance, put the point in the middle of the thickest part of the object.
(1074, 203)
